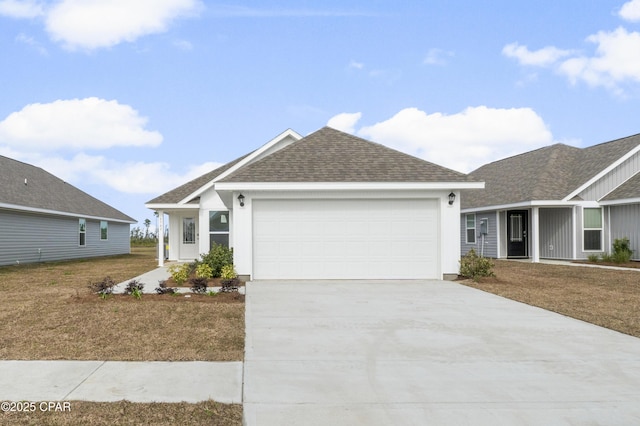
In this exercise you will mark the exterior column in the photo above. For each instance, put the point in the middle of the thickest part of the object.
(535, 234)
(160, 232)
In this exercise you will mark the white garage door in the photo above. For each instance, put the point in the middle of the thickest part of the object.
(345, 239)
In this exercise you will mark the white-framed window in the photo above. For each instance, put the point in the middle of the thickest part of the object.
(218, 228)
(104, 230)
(592, 229)
(471, 228)
(82, 232)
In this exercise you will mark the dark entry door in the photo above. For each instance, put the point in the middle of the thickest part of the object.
(517, 232)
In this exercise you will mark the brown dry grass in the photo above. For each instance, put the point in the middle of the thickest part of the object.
(605, 297)
(128, 413)
(47, 312)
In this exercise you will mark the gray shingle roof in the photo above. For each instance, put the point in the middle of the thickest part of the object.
(45, 191)
(549, 173)
(329, 155)
(180, 193)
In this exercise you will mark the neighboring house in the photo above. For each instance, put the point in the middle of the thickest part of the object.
(43, 218)
(557, 202)
(326, 206)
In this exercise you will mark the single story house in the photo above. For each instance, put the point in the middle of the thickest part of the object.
(556, 202)
(326, 206)
(43, 218)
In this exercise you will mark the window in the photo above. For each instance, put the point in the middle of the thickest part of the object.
(188, 230)
(592, 225)
(104, 227)
(517, 228)
(218, 228)
(82, 232)
(471, 228)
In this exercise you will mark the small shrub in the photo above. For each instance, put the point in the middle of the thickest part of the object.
(607, 258)
(163, 289)
(218, 256)
(104, 287)
(621, 250)
(179, 272)
(198, 285)
(593, 258)
(134, 288)
(474, 266)
(203, 270)
(228, 272)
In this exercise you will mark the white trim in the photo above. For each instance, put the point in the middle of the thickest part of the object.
(621, 201)
(535, 231)
(59, 213)
(602, 173)
(535, 203)
(169, 207)
(248, 159)
(343, 186)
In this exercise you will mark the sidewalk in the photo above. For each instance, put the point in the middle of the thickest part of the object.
(108, 381)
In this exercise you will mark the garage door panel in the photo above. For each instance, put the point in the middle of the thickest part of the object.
(342, 239)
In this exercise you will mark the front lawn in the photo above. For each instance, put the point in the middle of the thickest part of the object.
(47, 312)
(605, 297)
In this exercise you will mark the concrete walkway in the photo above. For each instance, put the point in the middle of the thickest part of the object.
(436, 353)
(152, 279)
(109, 381)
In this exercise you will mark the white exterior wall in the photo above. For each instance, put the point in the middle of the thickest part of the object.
(449, 237)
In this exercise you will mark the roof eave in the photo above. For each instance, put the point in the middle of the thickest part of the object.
(344, 186)
(16, 207)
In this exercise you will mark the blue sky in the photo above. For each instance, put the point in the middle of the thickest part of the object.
(128, 99)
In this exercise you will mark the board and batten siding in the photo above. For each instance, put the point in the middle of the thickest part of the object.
(28, 238)
(556, 233)
(490, 246)
(613, 179)
(625, 222)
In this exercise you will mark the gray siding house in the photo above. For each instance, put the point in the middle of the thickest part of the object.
(556, 202)
(43, 218)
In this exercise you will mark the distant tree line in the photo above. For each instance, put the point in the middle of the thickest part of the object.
(143, 237)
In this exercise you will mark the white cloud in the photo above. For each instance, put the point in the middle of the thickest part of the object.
(91, 24)
(541, 58)
(617, 60)
(355, 65)
(630, 11)
(130, 177)
(76, 124)
(437, 57)
(21, 9)
(345, 121)
(183, 45)
(462, 141)
(31, 42)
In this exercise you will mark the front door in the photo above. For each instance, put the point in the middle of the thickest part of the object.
(189, 238)
(517, 230)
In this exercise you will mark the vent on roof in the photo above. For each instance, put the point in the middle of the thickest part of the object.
(25, 181)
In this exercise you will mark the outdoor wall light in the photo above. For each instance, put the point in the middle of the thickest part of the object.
(452, 198)
(241, 200)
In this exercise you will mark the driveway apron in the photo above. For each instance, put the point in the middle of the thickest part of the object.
(428, 352)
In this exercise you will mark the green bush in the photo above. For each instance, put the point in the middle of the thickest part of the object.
(217, 258)
(228, 272)
(593, 258)
(474, 266)
(203, 270)
(621, 250)
(179, 272)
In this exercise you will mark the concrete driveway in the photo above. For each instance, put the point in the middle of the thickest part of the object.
(429, 352)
